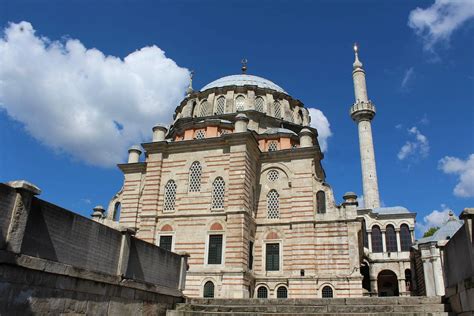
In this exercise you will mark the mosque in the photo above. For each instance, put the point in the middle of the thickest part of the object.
(237, 183)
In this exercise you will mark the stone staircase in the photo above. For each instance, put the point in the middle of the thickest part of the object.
(367, 306)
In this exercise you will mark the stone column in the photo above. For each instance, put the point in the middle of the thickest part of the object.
(183, 270)
(21, 210)
(384, 246)
(437, 270)
(399, 244)
(241, 123)
(373, 281)
(369, 240)
(159, 133)
(306, 138)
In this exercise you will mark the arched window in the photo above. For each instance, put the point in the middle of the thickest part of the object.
(273, 175)
(273, 204)
(259, 104)
(327, 292)
(208, 290)
(390, 239)
(240, 103)
(376, 239)
(277, 109)
(218, 190)
(405, 237)
(262, 292)
(195, 177)
(193, 109)
(170, 196)
(273, 146)
(117, 209)
(282, 292)
(321, 202)
(205, 109)
(220, 106)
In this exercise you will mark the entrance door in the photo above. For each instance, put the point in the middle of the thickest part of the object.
(387, 283)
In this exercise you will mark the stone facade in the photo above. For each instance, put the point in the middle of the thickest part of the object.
(237, 182)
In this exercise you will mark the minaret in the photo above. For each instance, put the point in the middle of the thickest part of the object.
(362, 112)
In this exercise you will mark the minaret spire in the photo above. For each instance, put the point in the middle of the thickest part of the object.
(362, 112)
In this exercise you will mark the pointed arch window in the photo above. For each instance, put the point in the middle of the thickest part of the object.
(321, 202)
(208, 291)
(277, 109)
(259, 104)
(195, 172)
(390, 239)
(240, 103)
(405, 237)
(376, 239)
(205, 108)
(218, 191)
(220, 106)
(170, 196)
(273, 205)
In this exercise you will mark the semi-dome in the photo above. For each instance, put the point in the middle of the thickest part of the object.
(242, 80)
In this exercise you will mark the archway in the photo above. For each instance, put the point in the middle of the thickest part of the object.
(365, 271)
(387, 283)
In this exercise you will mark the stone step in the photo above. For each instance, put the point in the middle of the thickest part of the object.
(412, 300)
(205, 313)
(301, 309)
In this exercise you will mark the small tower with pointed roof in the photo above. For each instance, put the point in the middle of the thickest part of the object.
(362, 112)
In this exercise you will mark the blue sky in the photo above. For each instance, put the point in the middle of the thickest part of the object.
(58, 130)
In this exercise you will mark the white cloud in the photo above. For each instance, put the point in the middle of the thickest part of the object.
(434, 219)
(82, 102)
(407, 77)
(419, 147)
(321, 123)
(436, 23)
(464, 169)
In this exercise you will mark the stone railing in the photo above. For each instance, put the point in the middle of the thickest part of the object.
(47, 253)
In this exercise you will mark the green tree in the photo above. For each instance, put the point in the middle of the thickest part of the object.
(430, 232)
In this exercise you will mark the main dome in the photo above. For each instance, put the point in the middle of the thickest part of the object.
(242, 80)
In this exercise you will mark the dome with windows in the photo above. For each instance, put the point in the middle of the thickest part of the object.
(244, 80)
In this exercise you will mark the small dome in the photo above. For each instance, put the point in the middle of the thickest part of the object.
(243, 80)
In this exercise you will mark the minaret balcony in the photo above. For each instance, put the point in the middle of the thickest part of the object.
(362, 111)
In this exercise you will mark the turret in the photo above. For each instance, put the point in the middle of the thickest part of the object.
(362, 112)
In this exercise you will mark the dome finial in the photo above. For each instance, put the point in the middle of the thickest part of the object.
(357, 63)
(190, 87)
(244, 65)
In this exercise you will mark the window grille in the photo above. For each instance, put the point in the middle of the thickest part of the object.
(239, 103)
(391, 239)
(273, 175)
(405, 237)
(376, 239)
(200, 134)
(259, 104)
(220, 106)
(282, 292)
(272, 258)
(321, 202)
(170, 196)
(273, 204)
(205, 109)
(195, 177)
(215, 249)
(208, 290)
(262, 292)
(327, 292)
(277, 110)
(166, 242)
(218, 191)
(273, 146)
